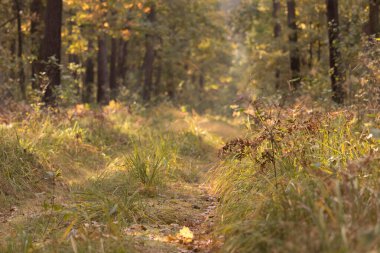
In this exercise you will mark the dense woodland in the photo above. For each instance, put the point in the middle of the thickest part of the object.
(189, 126)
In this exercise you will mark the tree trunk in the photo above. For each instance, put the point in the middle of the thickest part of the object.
(20, 64)
(89, 76)
(201, 82)
(319, 43)
(149, 57)
(13, 51)
(295, 64)
(36, 10)
(337, 74)
(113, 59)
(157, 82)
(122, 62)
(311, 46)
(374, 22)
(170, 82)
(276, 34)
(50, 55)
(102, 70)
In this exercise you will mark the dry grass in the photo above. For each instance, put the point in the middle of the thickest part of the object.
(301, 181)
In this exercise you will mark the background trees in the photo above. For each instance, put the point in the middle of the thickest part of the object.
(156, 49)
(315, 33)
(337, 74)
(50, 52)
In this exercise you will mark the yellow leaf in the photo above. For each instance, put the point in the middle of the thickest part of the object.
(146, 9)
(186, 233)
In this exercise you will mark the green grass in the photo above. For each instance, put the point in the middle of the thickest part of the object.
(305, 183)
(20, 171)
(98, 171)
(299, 182)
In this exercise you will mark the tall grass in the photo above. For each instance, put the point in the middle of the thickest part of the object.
(20, 170)
(110, 165)
(301, 182)
(147, 168)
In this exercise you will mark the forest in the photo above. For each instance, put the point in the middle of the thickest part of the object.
(186, 126)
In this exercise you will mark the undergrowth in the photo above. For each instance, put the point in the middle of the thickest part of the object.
(301, 181)
(93, 170)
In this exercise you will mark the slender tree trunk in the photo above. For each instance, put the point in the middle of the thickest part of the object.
(13, 51)
(201, 82)
(295, 63)
(102, 70)
(337, 73)
(36, 10)
(319, 43)
(122, 61)
(374, 22)
(20, 43)
(276, 35)
(89, 76)
(113, 80)
(89, 80)
(51, 48)
(157, 82)
(170, 82)
(311, 46)
(149, 57)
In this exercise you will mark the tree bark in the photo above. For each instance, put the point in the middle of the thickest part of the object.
(295, 63)
(102, 70)
(149, 57)
(113, 80)
(337, 73)
(89, 76)
(157, 82)
(36, 10)
(201, 82)
(122, 62)
(20, 43)
(311, 46)
(276, 35)
(170, 82)
(374, 22)
(50, 55)
(319, 44)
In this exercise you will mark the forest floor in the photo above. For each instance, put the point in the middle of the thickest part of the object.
(74, 204)
(166, 179)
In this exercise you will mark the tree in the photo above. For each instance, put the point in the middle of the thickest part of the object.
(149, 55)
(20, 43)
(122, 61)
(374, 21)
(113, 74)
(102, 70)
(295, 63)
(336, 70)
(50, 56)
(36, 13)
(89, 76)
(276, 35)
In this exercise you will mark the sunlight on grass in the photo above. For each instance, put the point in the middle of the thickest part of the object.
(301, 182)
(104, 168)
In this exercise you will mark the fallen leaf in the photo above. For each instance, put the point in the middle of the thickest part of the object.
(186, 235)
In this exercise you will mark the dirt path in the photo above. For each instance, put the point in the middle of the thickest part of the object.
(181, 217)
(188, 215)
